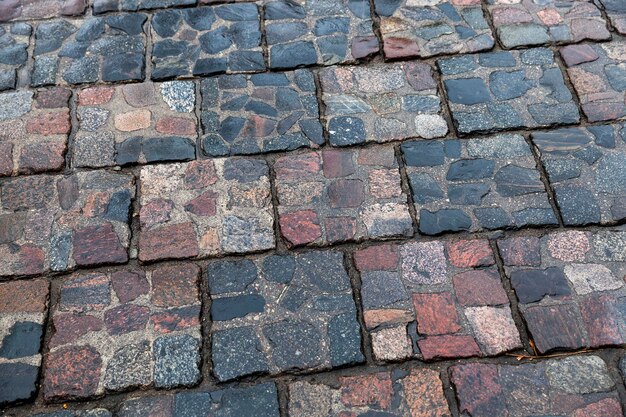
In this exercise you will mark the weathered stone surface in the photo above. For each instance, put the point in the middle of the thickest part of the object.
(504, 90)
(572, 387)
(206, 41)
(324, 32)
(56, 223)
(381, 103)
(616, 10)
(334, 196)
(205, 208)
(450, 311)
(426, 29)
(103, 6)
(152, 339)
(575, 296)
(247, 114)
(14, 41)
(288, 313)
(29, 10)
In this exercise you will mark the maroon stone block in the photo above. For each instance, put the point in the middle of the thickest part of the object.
(71, 372)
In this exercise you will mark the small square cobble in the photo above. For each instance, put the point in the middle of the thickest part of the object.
(429, 28)
(14, 41)
(206, 41)
(339, 195)
(380, 103)
(435, 300)
(122, 330)
(34, 128)
(247, 114)
(136, 123)
(57, 223)
(507, 89)
(616, 11)
(110, 49)
(578, 386)
(11, 10)
(476, 184)
(22, 314)
(528, 22)
(570, 287)
(282, 313)
(598, 75)
(585, 167)
(323, 32)
(416, 392)
(104, 6)
(205, 208)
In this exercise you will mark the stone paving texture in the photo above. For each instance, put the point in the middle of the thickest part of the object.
(570, 286)
(11, 10)
(136, 123)
(282, 313)
(476, 184)
(325, 32)
(429, 28)
(435, 300)
(14, 40)
(616, 11)
(206, 41)
(504, 90)
(247, 114)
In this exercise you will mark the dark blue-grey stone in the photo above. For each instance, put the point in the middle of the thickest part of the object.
(532, 216)
(129, 151)
(452, 148)
(230, 128)
(14, 55)
(333, 48)
(230, 81)
(590, 155)
(616, 74)
(470, 169)
(610, 174)
(245, 170)
(191, 404)
(294, 297)
(237, 352)
(305, 81)
(21, 28)
(450, 12)
(165, 23)
(345, 340)
(287, 99)
(270, 79)
(215, 41)
(492, 217)
(91, 30)
(295, 344)
(123, 67)
(475, 121)
(456, 65)
(238, 12)
(285, 32)
(260, 400)
(285, 142)
(474, 17)
(509, 85)
(467, 194)
(176, 361)
(170, 148)
(346, 131)
(83, 70)
(360, 8)
(17, 381)
(277, 10)
(129, 23)
(434, 31)
(562, 141)
(228, 308)
(604, 135)
(244, 147)
(382, 289)
(323, 270)
(330, 25)
(513, 181)
(60, 246)
(497, 59)
(538, 56)
(425, 188)
(258, 107)
(467, 91)
(118, 208)
(210, 66)
(578, 205)
(341, 302)
(553, 79)
(103, 6)
(279, 268)
(288, 122)
(168, 48)
(562, 169)
(201, 18)
(245, 35)
(22, 340)
(291, 55)
(50, 36)
(8, 79)
(423, 153)
(444, 220)
(74, 50)
(234, 102)
(504, 115)
(313, 130)
(421, 104)
(246, 61)
(230, 276)
(533, 285)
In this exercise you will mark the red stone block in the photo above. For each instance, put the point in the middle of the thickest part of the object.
(129, 285)
(169, 242)
(53, 98)
(577, 54)
(478, 390)
(24, 296)
(448, 346)
(337, 163)
(377, 258)
(70, 327)
(436, 313)
(71, 373)
(175, 126)
(479, 288)
(603, 318)
(300, 227)
(363, 390)
(363, 46)
(298, 166)
(95, 95)
(520, 251)
(346, 193)
(340, 228)
(203, 205)
(395, 47)
(6, 159)
(176, 319)
(97, 245)
(50, 123)
(40, 157)
(200, 174)
(175, 286)
(554, 327)
(126, 318)
(470, 253)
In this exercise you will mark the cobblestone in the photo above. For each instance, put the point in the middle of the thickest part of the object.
(103, 6)
(11, 10)
(616, 10)
(14, 40)
(570, 286)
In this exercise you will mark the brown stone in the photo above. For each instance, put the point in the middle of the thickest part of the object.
(400, 47)
(363, 46)
(134, 120)
(175, 319)
(155, 212)
(168, 242)
(298, 166)
(70, 327)
(367, 390)
(53, 98)
(10, 9)
(448, 346)
(597, 112)
(436, 313)
(140, 95)
(71, 373)
(94, 96)
(602, 319)
(346, 193)
(554, 327)
(24, 296)
(470, 253)
(126, 318)
(377, 258)
(478, 390)
(73, 7)
(520, 251)
(83, 293)
(479, 288)
(337, 163)
(424, 394)
(300, 227)
(175, 286)
(176, 126)
(607, 407)
(420, 76)
(203, 205)
(6, 159)
(43, 156)
(374, 318)
(129, 285)
(200, 174)
(97, 245)
(339, 229)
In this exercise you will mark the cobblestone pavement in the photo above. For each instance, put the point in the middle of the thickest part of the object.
(313, 208)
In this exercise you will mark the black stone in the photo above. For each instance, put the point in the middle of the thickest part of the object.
(333, 48)
(386, 8)
(238, 12)
(91, 30)
(533, 285)
(604, 135)
(230, 276)
(260, 400)
(171, 148)
(284, 10)
(14, 55)
(444, 220)
(561, 142)
(509, 85)
(258, 107)
(470, 169)
(295, 344)
(279, 268)
(493, 217)
(83, 70)
(246, 61)
(291, 55)
(213, 145)
(118, 208)
(130, 23)
(74, 50)
(346, 131)
(345, 340)
(23, 340)
(17, 381)
(312, 129)
(215, 41)
(210, 66)
(578, 205)
(50, 36)
(270, 79)
(323, 270)
(237, 352)
(165, 23)
(288, 122)
(123, 67)
(423, 153)
(201, 18)
(228, 308)
(129, 151)
(330, 25)
(467, 194)
(382, 289)
(467, 91)
(513, 181)
(425, 188)
(497, 59)
(532, 216)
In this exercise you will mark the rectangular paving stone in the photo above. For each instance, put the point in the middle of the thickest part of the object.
(106, 49)
(34, 128)
(122, 330)
(435, 300)
(577, 386)
(247, 114)
(380, 103)
(528, 22)
(599, 78)
(585, 167)
(205, 208)
(104, 6)
(14, 41)
(11, 10)
(428, 28)
(23, 307)
(570, 286)
(57, 223)
(476, 184)
(135, 123)
(206, 41)
(324, 32)
(340, 195)
(508, 89)
(416, 392)
(282, 313)
(616, 11)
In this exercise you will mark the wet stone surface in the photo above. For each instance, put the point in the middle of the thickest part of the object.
(22, 315)
(323, 32)
(282, 313)
(585, 167)
(205, 208)
(435, 300)
(56, 223)
(416, 392)
(570, 286)
(339, 195)
(206, 40)
(13, 53)
(104, 6)
(476, 184)
(124, 330)
(505, 90)
(11, 10)
(431, 28)
(529, 22)
(34, 127)
(598, 74)
(247, 114)
(616, 10)
(572, 387)
(98, 49)
(135, 123)
(381, 103)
